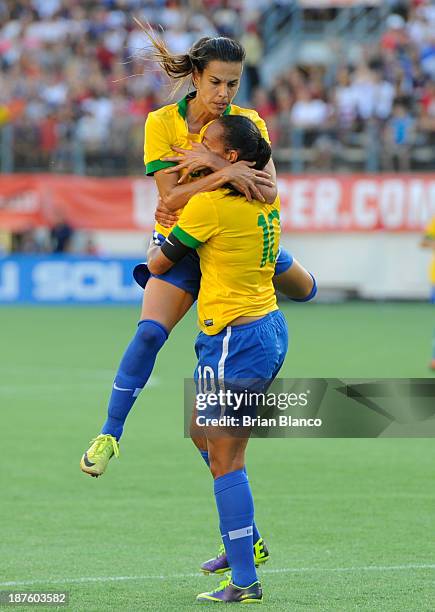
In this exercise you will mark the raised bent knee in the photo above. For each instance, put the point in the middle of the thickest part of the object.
(152, 333)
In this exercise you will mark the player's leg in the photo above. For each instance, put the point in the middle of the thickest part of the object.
(253, 352)
(236, 513)
(220, 564)
(164, 304)
(197, 436)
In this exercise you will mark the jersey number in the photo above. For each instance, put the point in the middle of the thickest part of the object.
(268, 236)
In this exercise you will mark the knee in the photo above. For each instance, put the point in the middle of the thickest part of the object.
(152, 334)
(220, 466)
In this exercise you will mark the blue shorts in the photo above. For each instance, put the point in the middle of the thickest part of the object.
(186, 274)
(241, 357)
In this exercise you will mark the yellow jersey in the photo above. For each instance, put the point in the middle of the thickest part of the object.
(237, 243)
(168, 127)
(429, 234)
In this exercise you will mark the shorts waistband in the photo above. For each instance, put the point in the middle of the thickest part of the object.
(268, 317)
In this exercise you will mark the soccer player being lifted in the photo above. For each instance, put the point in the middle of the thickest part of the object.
(243, 333)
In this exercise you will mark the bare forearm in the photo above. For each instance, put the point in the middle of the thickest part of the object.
(268, 193)
(181, 194)
(157, 262)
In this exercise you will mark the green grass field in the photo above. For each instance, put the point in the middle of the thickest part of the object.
(350, 523)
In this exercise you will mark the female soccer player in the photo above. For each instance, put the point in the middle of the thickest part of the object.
(215, 66)
(243, 334)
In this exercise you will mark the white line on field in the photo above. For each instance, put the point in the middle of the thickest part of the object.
(283, 570)
(59, 387)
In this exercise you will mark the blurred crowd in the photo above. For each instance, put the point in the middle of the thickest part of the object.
(76, 85)
(386, 95)
(58, 237)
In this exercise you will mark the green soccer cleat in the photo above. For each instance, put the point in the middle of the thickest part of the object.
(227, 592)
(94, 461)
(219, 564)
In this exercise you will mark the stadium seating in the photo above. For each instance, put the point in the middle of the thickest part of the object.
(348, 89)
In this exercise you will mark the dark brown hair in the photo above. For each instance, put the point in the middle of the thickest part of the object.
(242, 135)
(204, 51)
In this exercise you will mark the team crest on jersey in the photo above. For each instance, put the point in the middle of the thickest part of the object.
(208, 322)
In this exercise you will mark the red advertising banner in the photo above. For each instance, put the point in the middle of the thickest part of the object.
(361, 203)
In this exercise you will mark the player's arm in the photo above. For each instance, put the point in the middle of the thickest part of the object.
(172, 196)
(296, 283)
(162, 259)
(253, 184)
(269, 193)
(175, 196)
(192, 230)
(261, 186)
(199, 157)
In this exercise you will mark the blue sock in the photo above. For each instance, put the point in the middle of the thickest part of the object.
(255, 533)
(204, 455)
(236, 514)
(133, 373)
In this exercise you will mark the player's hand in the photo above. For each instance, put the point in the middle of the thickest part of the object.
(245, 179)
(193, 160)
(164, 216)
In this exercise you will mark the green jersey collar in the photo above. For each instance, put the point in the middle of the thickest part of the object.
(182, 105)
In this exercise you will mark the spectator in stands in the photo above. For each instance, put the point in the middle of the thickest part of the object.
(253, 46)
(427, 114)
(27, 241)
(345, 100)
(61, 234)
(399, 135)
(395, 34)
(310, 114)
(265, 107)
(73, 82)
(90, 247)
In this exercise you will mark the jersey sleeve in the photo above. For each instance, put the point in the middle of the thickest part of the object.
(261, 124)
(198, 221)
(157, 144)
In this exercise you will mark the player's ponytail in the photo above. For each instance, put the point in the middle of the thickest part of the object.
(264, 153)
(204, 51)
(242, 135)
(176, 66)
